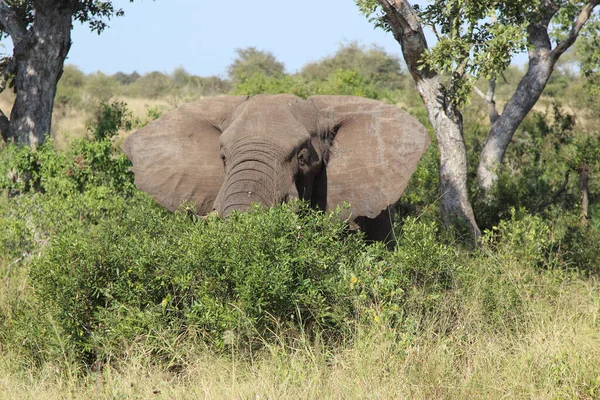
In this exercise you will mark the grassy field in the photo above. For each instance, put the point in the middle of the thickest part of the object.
(69, 123)
(512, 326)
(548, 347)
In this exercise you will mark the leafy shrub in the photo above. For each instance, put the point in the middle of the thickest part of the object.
(524, 237)
(87, 163)
(259, 83)
(349, 82)
(417, 276)
(535, 171)
(152, 85)
(421, 196)
(110, 118)
(69, 91)
(252, 270)
(100, 88)
(251, 61)
(580, 246)
(341, 82)
(126, 79)
(136, 270)
(376, 66)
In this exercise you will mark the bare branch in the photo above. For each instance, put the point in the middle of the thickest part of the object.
(480, 93)
(489, 100)
(11, 22)
(492, 111)
(435, 32)
(582, 18)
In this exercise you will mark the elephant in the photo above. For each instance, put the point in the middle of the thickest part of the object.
(225, 153)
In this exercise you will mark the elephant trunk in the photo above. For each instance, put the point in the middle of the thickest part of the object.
(249, 182)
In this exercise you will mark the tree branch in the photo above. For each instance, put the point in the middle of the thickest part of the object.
(582, 18)
(489, 100)
(4, 127)
(480, 93)
(407, 30)
(435, 32)
(492, 111)
(11, 23)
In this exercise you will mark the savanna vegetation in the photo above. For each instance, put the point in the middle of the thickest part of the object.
(107, 295)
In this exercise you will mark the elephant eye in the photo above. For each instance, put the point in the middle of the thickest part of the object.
(223, 158)
(302, 158)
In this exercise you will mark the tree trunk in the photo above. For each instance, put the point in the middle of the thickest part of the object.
(527, 94)
(584, 176)
(542, 59)
(39, 60)
(455, 205)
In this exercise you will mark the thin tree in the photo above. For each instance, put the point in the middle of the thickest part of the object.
(40, 31)
(561, 19)
(443, 110)
(477, 39)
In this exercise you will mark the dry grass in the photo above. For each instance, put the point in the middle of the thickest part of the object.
(554, 353)
(69, 123)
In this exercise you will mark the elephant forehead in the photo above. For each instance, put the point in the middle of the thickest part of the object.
(282, 118)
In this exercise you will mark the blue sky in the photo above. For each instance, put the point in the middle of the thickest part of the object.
(202, 35)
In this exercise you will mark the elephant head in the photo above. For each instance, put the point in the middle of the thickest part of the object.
(224, 153)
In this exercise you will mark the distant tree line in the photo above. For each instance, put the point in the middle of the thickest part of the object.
(353, 69)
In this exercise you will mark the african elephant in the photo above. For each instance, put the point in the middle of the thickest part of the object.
(224, 153)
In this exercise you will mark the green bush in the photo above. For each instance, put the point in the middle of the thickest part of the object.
(379, 68)
(525, 237)
(69, 90)
(158, 270)
(579, 246)
(87, 164)
(100, 88)
(251, 61)
(117, 270)
(259, 83)
(340, 82)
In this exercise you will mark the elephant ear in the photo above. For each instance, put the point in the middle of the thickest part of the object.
(375, 150)
(176, 157)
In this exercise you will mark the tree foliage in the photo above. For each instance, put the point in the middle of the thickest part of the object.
(477, 39)
(375, 65)
(251, 61)
(96, 13)
(589, 54)
(41, 34)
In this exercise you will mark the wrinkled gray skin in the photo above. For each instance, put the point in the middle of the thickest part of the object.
(226, 153)
(271, 153)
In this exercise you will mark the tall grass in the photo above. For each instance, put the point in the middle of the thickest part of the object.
(553, 352)
(105, 295)
(515, 321)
